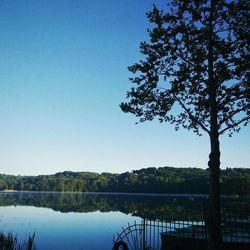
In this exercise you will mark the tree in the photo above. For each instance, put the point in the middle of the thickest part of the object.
(195, 75)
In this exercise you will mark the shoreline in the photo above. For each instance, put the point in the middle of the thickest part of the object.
(178, 195)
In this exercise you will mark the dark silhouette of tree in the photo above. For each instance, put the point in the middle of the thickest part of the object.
(195, 74)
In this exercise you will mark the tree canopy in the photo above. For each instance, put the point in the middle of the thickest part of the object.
(172, 81)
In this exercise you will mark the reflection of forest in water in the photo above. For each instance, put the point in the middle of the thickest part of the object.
(148, 206)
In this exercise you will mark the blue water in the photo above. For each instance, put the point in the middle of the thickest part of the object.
(74, 221)
(56, 230)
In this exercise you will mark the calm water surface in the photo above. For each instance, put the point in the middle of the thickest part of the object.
(72, 221)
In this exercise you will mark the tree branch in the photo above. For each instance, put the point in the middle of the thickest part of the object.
(222, 30)
(190, 114)
(231, 97)
(234, 125)
(185, 60)
(181, 57)
(219, 20)
(233, 113)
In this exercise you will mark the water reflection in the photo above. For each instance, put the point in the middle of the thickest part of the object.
(148, 206)
(64, 221)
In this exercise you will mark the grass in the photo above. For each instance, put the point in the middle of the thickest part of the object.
(9, 242)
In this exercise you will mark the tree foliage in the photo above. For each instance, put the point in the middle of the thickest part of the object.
(146, 180)
(172, 81)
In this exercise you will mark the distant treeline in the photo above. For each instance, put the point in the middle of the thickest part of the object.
(149, 180)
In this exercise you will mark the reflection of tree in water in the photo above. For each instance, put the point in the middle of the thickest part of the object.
(151, 207)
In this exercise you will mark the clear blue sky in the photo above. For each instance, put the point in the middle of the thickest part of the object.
(63, 74)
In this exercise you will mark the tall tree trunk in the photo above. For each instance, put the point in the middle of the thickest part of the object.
(214, 215)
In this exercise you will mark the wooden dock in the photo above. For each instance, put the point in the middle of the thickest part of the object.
(193, 236)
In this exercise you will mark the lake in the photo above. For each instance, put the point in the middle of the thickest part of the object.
(87, 221)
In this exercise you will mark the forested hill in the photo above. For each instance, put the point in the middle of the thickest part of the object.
(152, 180)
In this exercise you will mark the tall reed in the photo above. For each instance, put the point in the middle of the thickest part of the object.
(9, 242)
